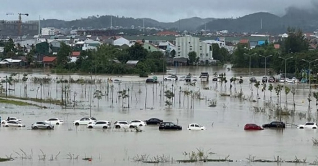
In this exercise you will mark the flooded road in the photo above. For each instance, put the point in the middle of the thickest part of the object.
(68, 144)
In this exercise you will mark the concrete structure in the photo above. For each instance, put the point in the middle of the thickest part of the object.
(187, 44)
(48, 31)
(10, 28)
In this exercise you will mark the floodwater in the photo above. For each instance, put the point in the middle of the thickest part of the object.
(224, 135)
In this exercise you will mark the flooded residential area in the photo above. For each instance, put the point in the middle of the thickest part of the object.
(224, 137)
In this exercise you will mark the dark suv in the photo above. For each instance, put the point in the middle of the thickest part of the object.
(169, 126)
(253, 79)
(274, 124)
(264, 79)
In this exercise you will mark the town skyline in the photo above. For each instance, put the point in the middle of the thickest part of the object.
(164, 12)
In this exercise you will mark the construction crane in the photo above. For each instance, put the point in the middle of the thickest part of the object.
(20, 21)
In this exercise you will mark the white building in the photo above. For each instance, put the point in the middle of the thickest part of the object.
(48, 31)
(121, 41)
(186, 44)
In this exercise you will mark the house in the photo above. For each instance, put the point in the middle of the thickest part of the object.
(187, 44)
(75, 54)
(121, 41)
(132, 62)
(49, 61)
(9, 61)
(150, 47)
(90, 44)
(167, 33)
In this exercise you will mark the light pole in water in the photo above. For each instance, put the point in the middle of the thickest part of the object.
(265, 61)
(285, 59)
(309, 95)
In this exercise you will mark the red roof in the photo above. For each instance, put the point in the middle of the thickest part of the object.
(76, 53)
(244, 41)
(48, 59)
(276, 46)
(167, 33)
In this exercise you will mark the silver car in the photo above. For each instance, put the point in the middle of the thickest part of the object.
(42, 125)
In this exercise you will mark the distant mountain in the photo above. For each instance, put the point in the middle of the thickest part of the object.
(263, 22)
(105, 22)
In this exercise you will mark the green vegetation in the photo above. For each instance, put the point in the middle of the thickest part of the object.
(14, 102)
(295, 45)
(5, 159)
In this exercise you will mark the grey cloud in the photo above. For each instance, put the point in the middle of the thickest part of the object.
(161, 10)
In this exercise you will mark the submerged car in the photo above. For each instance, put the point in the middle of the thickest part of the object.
(253, 79)
(271, 79)
(121, 124)
(252, 126)
(102, 124)
(137, 123)
(151, 80)
(153, 121)
(55, 121)
(13, 124)
(169, 126)
(308, 125)
(42, 125)
(264, 79)
(10, 119)
(195, 126)
(274, 124)
(84, 121)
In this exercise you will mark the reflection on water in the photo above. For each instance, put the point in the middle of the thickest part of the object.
(224, 135)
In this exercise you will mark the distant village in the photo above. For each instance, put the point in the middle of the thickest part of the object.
(174, 44)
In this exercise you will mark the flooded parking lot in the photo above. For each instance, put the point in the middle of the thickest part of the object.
(224, 136)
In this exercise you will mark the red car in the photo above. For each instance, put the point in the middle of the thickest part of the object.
(252, 127)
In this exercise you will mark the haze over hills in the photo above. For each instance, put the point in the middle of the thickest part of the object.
(261, 22)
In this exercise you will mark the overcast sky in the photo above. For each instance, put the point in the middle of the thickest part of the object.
(161, 10)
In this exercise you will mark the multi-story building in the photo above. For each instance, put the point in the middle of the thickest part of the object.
(187, 44)
(11, 28)
(48, 31)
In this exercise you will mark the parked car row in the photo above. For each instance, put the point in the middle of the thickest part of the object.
(278, 124)
(92, 122)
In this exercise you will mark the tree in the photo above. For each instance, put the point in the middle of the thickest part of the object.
(287, 90)
(63, 54)
(295, 42)
(192, 57)
(137, 52)
(173, 53)
(9, 49)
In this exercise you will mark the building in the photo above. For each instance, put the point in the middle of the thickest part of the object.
(48, 31)
(11, 28)
(119, 41)
(187, 44)
(150, 47)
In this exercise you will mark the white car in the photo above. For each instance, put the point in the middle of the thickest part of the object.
(84, 121)
(195, 126)
(11, 119)
(170, 78)
(42, 125)
(101, 124)
(121, 124)
(54, 121)
(137, 123)
(308, 125)
(182, 78)
(13, 124)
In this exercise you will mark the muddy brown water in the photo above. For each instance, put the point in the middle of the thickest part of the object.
(224, 135)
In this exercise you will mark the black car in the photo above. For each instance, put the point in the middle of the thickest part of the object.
(188, 78)
(153, 121)
(253, 79)
(150, 80)
(264, 79)
(169, 126)
(274, 124)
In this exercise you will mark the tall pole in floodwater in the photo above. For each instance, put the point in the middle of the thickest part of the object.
(265, 61)
(309, 73)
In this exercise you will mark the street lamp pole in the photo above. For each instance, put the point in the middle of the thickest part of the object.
(309, 62)
(285, 59)
(265, 61)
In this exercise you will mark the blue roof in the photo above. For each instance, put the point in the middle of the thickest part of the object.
(261, 42)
